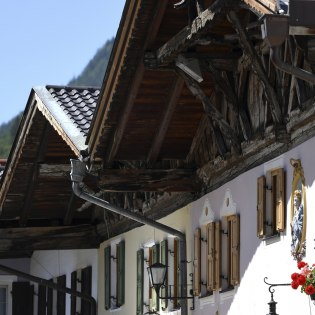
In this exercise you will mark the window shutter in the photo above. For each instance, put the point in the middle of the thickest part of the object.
(120, 252)
(41, 306)
(234, 241)
(164, 260)
(278, 198)
(155, 258)
(50, 300)
(140, 276)
(61, 296)
(197, 262)
(210, 255)
(107, 277)
(261, 206)
(86, 287)
(22, 298)
(175, 272)
(217, 256)
(73, 299)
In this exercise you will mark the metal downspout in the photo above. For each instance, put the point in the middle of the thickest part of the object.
(78, 172)
(51, 285)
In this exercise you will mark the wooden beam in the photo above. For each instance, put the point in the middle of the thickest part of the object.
(49, 238)
(232, 97)
(54, 170)
(186, 37)
(166, 119)
(25, 212)
(119, 132)
(257, 67)
(142, 180)
(211, 110)
(133, 89)
(262, 7)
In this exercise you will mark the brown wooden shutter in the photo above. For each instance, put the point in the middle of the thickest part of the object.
(234, 244)
(197, 262)
(278, 202)
(22, 298)
(210, 255)
(261, 206)
(73, 299)
(86, 287)
(140, 278)
(61, 296)
(164, 261)
(217, 256)
(155, 250)
(107, 275)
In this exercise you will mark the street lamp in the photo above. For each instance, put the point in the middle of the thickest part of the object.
(157, 276)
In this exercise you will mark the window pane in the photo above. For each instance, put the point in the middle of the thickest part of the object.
(3, 300)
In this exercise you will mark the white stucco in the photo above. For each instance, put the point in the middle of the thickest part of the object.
(258, 258)
(134, 240)
(53, 263)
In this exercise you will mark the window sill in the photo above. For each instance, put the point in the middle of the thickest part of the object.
(206, 300)
(227, 294)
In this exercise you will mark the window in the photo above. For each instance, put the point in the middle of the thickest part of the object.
(271, 203)
(114, 270)
(3, 300)
(220, 258)
(167, 253)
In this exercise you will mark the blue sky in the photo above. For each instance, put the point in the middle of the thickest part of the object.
(49, 42)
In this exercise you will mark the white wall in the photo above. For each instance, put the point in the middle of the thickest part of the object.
(258, 258)
(134, 240)
(54, 263)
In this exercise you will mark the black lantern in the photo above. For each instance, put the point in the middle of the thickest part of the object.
(157, 275)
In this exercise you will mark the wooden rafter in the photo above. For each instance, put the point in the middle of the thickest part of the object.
(212, 111)
(167, 115)
(257, 67)
(119, 132)
(168, 180)
(186, 37)
(232, 97)
(116, 140)
(45, 238)
(25, 212)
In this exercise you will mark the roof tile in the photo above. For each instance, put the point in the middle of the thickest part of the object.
(78, 103)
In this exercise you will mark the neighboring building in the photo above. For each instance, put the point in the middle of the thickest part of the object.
(196, 153)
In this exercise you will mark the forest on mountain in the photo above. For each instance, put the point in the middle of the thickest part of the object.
(92, 75)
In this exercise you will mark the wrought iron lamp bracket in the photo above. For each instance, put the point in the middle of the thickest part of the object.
(272, 303)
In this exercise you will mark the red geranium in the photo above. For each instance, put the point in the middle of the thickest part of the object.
(301, 280)
(295, 276)
(294, 285)
(309, 289)
(301, 264)
(305, 278)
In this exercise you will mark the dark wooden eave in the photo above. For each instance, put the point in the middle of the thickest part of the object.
(153, 118)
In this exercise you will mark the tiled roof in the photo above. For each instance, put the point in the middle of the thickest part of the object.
(78, 103)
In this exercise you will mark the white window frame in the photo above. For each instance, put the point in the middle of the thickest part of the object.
(6, 281)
